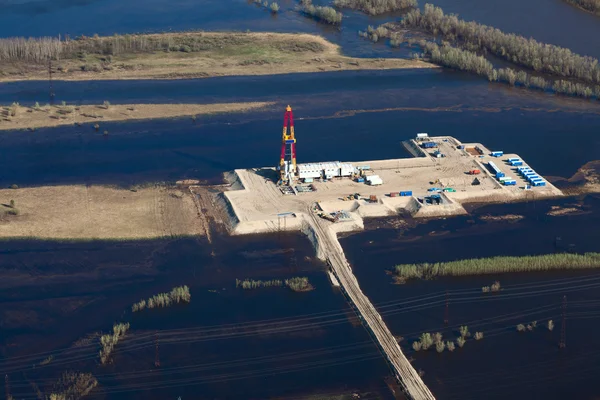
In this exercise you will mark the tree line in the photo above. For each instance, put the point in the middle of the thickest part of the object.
(40, 50)
(517, 49)
(465, 60)
(376, 7)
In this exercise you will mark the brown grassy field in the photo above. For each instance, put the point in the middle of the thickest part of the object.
(19, 117)
(98, 212)
(193, 55)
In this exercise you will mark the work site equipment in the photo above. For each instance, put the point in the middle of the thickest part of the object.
(287, 162)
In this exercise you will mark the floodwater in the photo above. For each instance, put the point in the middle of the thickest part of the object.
(348, 116)
(226, 343)
(552, 22)
(55, 294)
(504, 363)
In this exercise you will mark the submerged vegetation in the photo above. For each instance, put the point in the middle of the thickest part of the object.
(297, 284)
(428, 340)
(73, 385)
(321, 13)
(499, 265)
(469, 61)
(375, 7)
(495, 287)
(592, 6)
(516, 49)
(382, 32)
(109, 341)
(177, 295)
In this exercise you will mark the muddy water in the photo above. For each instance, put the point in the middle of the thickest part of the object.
(515, 365)
(58, 293)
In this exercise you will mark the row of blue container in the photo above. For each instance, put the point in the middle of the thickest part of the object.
(531, 176)
(428, 145)
(515, 162)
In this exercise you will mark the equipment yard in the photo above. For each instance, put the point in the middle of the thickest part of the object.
(449, 178)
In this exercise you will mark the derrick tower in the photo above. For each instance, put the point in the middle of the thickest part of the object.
(287, 162)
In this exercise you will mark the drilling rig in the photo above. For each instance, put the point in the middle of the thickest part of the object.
(287, 163)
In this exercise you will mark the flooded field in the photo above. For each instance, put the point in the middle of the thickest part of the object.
(226, 343)
(513, 363)
(56, 297)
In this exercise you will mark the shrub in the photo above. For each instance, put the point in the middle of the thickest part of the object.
(375, 7)
(450, 346)
(177, 295)
(437, 338)
(325, 14)
(521, 328)
(426, 341)
(440, 346)
(417, 345)
(485, 289)
(529, 327)
(106, 104)
(274, 7)
(12, 204)
(299, 284)
(464, 331)
(13, 186)
(550, 325)
(495, 287)
(461, 341)
(478, 335)
(109, 341)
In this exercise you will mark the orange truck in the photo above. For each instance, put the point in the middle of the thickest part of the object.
(474, 172)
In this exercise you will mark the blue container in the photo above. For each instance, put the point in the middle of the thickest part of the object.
(510, 182)
(541, 183)
(360, 180)
(499, 175)
(516, 163)
(513, 159)
(497, 153)
(406, 193)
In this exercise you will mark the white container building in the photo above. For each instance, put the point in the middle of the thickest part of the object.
(326, 170)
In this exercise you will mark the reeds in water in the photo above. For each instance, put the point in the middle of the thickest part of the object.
(499, 265)
(73, 385)
(297, 284)
(109, 341)
(177, 295)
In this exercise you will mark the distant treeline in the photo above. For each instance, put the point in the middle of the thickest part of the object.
(324, 14)
(499, 265)
(514, 48)
(375, 7)
(592, 6)
(465, 60)
(39, 50)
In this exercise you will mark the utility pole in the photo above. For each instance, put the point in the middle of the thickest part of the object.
(447, 308)
(563, 326)
(156, 356)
